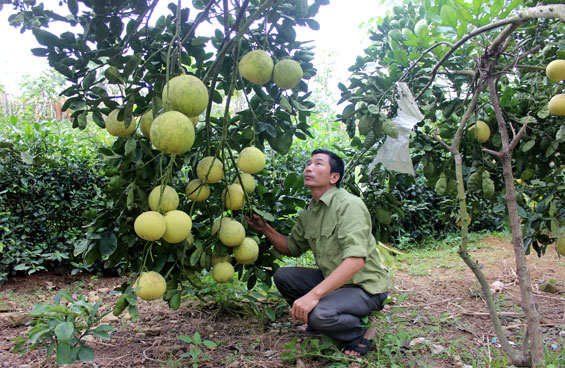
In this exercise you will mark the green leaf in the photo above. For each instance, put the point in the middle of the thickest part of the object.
(528, 145)
(63, 355)
(271, 314)
(130, 146)
(131, 65)
(26, 157)
(108, 243)
(448, 16)
(210, 344)
(186, 339)
(64, 331)
(46, 38)
(195, 257)
(86, 354)
(81, 120)
(174, 302)
(196, 338)
(313, 24)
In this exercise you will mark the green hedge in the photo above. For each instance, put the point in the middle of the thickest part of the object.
(48, 182)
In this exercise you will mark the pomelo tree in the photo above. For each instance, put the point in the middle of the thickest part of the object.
(478, 71)
(173, 69)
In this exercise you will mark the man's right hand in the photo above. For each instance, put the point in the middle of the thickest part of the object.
(256, 222)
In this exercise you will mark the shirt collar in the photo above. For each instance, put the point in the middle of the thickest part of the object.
(326, 198)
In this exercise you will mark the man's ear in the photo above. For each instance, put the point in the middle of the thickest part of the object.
(334, 178)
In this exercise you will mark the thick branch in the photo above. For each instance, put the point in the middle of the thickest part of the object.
(491, 152)
(518, 136)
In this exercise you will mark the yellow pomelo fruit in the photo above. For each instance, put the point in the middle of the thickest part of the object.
(117, 127)
(287, 74)
(556, 70)
(172, 133)
(231, 233)
(218, 259)
(233, 197)
(480, 130)
(218, 224)
(197, 191)
(247, 252)
(145, 123)
(557, 105)
(248, 182)
(194, 120)
(152, 285)
(178, 226)
(169, 201)
(256, 66)
(560, 245)
(222, 272)
(251, 160)
(216, 172)
(150, 225)
(186, 94)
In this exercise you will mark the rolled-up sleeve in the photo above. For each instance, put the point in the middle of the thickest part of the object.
(354, 230)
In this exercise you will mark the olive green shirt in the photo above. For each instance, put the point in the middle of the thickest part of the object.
(336, 227)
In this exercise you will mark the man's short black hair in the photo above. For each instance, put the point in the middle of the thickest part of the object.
(336, 163)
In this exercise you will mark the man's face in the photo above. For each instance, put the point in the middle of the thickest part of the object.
(317, 173)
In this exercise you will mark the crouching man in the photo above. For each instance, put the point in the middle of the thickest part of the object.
(349, 282)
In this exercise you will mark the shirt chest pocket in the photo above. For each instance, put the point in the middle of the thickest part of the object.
(323, 239)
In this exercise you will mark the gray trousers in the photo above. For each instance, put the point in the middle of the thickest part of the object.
(339, 313)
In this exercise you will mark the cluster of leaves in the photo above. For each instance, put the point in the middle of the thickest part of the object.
(62, 327)
(408, 43)
(45, 176)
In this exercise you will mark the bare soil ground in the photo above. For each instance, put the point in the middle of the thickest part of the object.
(438, 318)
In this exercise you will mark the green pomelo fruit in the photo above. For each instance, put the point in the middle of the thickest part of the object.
(365, 125)
(247, 252)
(233, 197)
(287, 74)
(117, 127)
(179, 225)
(218, 224)
(145, 123)
(186, 94)
(557, 105)
(172, 133)
(211, 167)
(251, 160)
(223, 272)
(231, 233)
(169, 199)
(219, 259)
(480, 130)
(256, 66)
(556, 70)
(197, 191)
(150, 225)
(247, 181)
(152, 285)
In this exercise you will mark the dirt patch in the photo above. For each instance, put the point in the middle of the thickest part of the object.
(438, 318)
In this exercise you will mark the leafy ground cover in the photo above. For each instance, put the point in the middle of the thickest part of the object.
(437, 318)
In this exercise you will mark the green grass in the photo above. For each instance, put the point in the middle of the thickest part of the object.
(443, 253)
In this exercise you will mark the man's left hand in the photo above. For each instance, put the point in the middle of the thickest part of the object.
(303, 306)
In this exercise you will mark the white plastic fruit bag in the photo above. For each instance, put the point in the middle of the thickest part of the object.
(395, 153)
